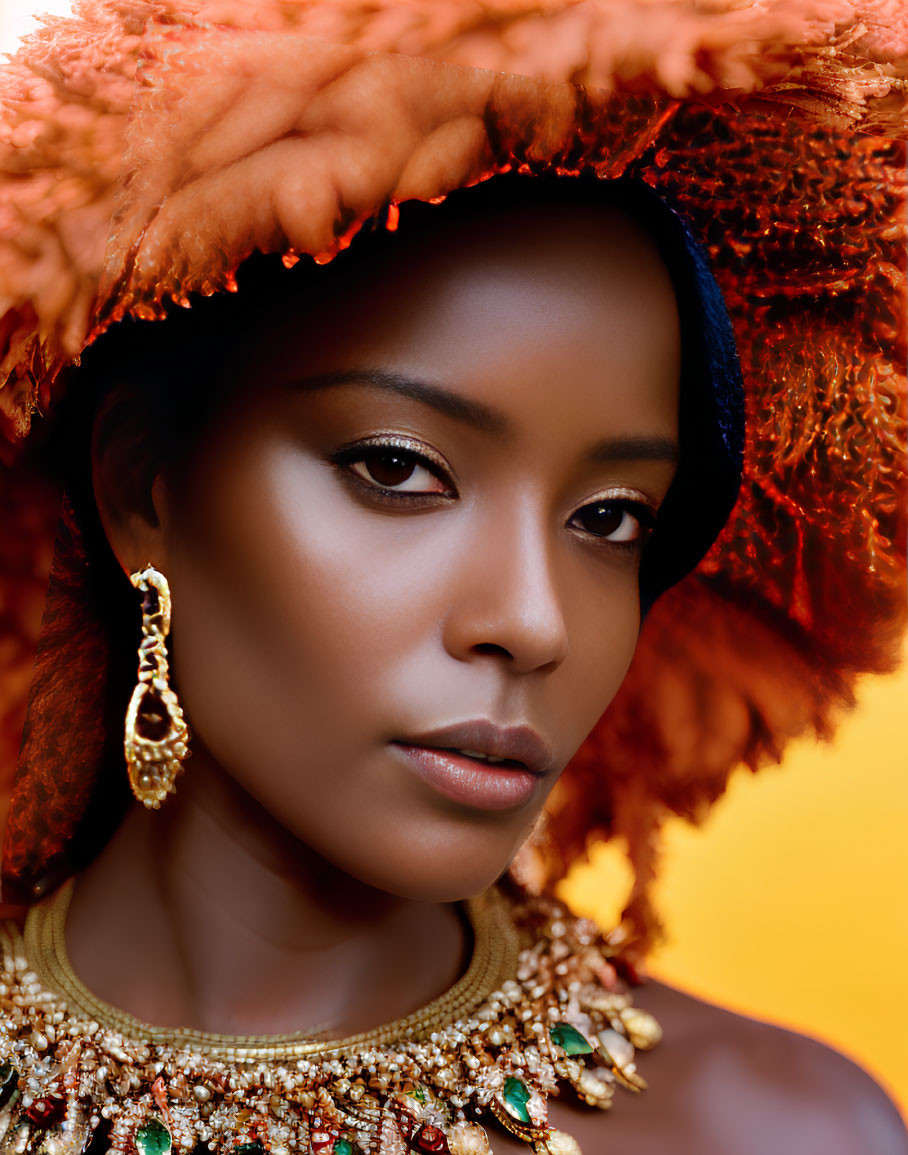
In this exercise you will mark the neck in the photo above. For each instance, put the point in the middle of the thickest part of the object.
(209, 914)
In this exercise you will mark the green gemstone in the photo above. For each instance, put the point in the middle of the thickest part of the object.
(248, 1149)
(343, 1147)
(516, 1096)
(569, 1039)
(419, 1093)
(153, 1138)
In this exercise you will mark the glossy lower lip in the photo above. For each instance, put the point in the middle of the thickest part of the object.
(487, 787)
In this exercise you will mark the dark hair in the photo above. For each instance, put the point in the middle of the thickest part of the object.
(156, 382)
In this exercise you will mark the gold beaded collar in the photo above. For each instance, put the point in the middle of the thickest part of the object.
(493, 960)
(539, 1007)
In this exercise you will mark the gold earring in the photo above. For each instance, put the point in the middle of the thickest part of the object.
(157, 737)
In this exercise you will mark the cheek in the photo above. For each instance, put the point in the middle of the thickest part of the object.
(604, 639)
(284, 612)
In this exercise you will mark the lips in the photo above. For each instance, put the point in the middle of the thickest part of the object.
(491, 786)
(520, 746)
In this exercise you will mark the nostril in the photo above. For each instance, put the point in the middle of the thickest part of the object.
(490, 648)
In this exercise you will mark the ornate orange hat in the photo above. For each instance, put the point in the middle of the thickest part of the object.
(148, 147)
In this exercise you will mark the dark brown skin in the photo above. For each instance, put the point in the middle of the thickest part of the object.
(303, 876)
(722, 1084)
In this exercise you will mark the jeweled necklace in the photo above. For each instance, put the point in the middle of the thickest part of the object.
(539, 1006)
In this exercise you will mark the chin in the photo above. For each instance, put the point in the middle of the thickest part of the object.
(429, 851)
(438, 874)
(436, 890)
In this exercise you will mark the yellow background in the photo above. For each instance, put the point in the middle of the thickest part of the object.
(791, 902)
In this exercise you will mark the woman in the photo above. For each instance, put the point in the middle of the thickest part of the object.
(405, 508)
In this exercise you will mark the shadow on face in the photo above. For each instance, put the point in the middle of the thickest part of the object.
(414, 526)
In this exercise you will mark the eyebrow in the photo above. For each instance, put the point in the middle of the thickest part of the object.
(634, 449)
(484, 417)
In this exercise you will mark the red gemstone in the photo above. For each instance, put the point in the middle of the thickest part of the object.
(320, 1141)
(45, 1112)
(431, 1139)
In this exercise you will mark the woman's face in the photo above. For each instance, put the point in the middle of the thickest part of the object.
(424, 510)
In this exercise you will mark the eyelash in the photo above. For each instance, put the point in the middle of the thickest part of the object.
(405, 452)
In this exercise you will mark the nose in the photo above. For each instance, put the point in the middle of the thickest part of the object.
(504, 594)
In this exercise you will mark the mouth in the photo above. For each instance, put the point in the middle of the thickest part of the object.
(484, 743)
(469, 778)
(482, 759)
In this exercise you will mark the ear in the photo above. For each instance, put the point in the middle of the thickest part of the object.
(129, 486)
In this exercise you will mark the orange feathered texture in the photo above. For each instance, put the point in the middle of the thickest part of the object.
(283, 126)
(64, 102)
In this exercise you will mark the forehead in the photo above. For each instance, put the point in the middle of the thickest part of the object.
(541, 311)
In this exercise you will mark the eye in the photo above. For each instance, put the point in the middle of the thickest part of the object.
(392, 469)
(395, 469)
(617, 521)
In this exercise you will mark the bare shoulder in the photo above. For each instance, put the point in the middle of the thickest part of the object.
(721, 1082)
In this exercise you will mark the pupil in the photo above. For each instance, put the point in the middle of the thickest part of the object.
(389, 469)
(602, 519)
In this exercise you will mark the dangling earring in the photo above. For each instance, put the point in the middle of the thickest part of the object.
(157, 737)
